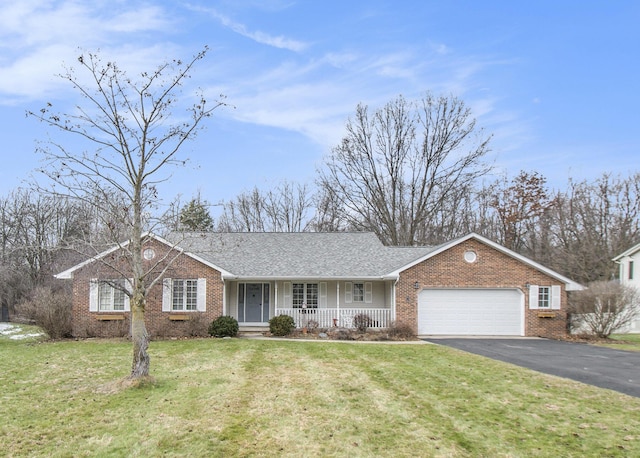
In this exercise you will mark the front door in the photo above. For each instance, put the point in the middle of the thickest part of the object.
(253, 302)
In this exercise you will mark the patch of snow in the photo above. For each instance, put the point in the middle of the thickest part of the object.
(25, 336)
(13, 331)
(8, 328)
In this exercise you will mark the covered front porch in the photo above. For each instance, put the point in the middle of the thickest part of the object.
(311, 303)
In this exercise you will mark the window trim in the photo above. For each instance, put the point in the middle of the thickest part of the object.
(200, 294)
(184, 294)
(544, 297)
(95, 294)
(307, 295)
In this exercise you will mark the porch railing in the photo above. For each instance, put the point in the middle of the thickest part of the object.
(327, 318)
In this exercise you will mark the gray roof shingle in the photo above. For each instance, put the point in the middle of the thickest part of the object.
(298, 254)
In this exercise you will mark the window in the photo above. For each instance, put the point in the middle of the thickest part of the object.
(544, 301)
(111, 295)
(545, 297)
(305, 294)
(630, 270)
(184, 295)
(358, 292)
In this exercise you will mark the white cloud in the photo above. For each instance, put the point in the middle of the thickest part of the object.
(280, 42)
(38, 36)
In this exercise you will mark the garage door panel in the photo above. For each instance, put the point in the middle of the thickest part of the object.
(471, 312)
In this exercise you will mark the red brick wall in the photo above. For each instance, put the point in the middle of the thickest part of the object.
(87, 324)
(492, 269)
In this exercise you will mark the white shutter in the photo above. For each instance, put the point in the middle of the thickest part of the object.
(166, 295)
(93, 295)
(322, 294)
(202, 295)
(127, 299)
(286, 293)
(533, 297)
(348, 292)
(556, 291)
(368, 292)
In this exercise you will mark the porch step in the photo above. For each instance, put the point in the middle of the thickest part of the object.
(252, 331)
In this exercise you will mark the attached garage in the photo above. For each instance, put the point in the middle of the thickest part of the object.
(480, 312)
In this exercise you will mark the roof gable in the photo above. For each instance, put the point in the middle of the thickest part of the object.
(570, 285)
(68, 274)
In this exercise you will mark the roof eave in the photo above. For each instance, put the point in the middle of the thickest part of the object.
(630, 252)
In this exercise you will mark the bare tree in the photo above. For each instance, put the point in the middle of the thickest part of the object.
(131, 141)
(283, 209)
(398, 166)
(329, 215)
(519, 204)
(34, 230)
(592, 222)
(244, 214)
(604, 308)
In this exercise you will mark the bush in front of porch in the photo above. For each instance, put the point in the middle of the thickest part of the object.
(281, 325)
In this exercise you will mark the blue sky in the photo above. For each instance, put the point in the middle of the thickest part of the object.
(556, 82)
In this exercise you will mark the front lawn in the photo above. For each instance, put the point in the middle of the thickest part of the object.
(237, 397)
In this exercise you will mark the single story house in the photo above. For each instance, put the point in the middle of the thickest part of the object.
(468, 286)
(628, 263)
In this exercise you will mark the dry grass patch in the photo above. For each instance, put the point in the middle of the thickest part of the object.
(214, 397)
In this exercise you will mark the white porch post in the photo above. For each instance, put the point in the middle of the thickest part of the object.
(275, 301)
(224, 297)
(393, 300)
(338, 303)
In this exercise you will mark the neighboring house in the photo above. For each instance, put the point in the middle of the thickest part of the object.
(469, 286)
(629, 263)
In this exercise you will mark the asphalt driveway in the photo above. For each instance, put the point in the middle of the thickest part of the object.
(616, 370)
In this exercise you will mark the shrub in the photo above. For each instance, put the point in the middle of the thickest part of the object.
(312, 325)
(281, 325)
(224, 326)
(343, 334)
(51, 310)
(605, 307)
(400, 331)
(362, 322)
(196, 325)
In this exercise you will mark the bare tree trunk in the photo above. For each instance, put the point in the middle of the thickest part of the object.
(140, 338)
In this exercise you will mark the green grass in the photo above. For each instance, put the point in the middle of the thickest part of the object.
(630, 342)
(235, 397)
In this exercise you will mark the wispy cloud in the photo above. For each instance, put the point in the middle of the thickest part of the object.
(280, 41)
(37, 36)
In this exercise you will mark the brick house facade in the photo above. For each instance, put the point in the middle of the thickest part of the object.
(492, 269)
(343, 274)
(88, 323)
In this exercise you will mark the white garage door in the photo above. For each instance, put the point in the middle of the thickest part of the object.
(480, 312)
